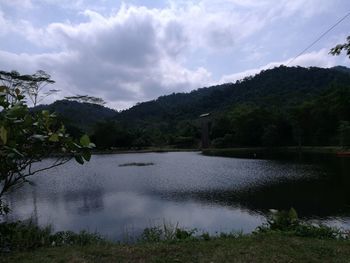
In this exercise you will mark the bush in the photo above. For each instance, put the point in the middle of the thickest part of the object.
(283, 220)
(22, 236)
(166, 232)
(27, 235)
(288, 222)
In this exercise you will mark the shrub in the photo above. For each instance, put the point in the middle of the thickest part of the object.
(27, 235)
(166, 232)
(288, 222)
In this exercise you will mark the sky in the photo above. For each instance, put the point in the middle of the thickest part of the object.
(132, 51)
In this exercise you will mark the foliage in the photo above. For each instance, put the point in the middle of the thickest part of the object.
(27, 235)
(288, 223)
(166, 232)
(86, 99)
(152, 234)
(111, 134)
(283, 220)
(83, 238)
(27, 138)
(342, 47)
(78, 116)
(284, 106)
(31, 85)
(279, 87)
(264, 248)
(16, 236)
(344, 133)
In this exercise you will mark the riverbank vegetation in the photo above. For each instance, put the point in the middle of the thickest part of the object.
(284, 238)
(269, 247)
(276, 152)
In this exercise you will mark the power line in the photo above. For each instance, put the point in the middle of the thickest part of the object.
(319, 38)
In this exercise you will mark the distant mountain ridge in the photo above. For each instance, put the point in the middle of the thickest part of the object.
(281, 87)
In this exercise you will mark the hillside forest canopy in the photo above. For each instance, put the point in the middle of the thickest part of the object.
(284, 106)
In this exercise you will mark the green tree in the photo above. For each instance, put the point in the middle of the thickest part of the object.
(26, 138)
(342, 47)
(33, 86)
(344, 133)
(111, 134)
(86, 99)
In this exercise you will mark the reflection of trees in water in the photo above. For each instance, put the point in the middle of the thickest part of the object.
(89, 200)
(325, 195)
(14, 215)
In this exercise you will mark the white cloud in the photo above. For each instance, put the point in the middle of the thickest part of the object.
(138, 53)
(125, 57)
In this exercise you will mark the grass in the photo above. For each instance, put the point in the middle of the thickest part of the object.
(263, 247)
(283, 238)
(26, 235)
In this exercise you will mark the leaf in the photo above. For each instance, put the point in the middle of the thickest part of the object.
(85, 140)
(79, 159)
(54, 138)
(3, 135)
(39, 137)
(87, 155)
(14, 150)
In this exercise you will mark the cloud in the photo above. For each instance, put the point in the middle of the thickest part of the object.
(137, 53)
(24, 4)
(125, 58)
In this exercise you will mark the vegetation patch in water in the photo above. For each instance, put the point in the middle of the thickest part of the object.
(135, 164)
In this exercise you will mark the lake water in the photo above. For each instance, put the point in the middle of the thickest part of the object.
(212, 194)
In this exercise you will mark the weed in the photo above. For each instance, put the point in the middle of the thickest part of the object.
(27, 235)
(287, 222)
(166, 232)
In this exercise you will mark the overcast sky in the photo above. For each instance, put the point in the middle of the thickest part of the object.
(132, 51)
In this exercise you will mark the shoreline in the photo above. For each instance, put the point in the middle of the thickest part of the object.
(246, 152)
(278, 152)
(150, 150)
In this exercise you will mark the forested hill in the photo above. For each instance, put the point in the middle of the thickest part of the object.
(281, 106)
(82, 115)
(281, 87)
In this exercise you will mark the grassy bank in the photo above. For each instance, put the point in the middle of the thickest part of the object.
(261, 152)
(283, 238)
(263, 247)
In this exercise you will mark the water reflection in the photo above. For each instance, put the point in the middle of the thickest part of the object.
(85, 201)
(208, 193)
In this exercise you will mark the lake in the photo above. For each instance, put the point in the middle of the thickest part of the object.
(212, 194)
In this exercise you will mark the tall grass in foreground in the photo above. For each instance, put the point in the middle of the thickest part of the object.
(26, 235)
